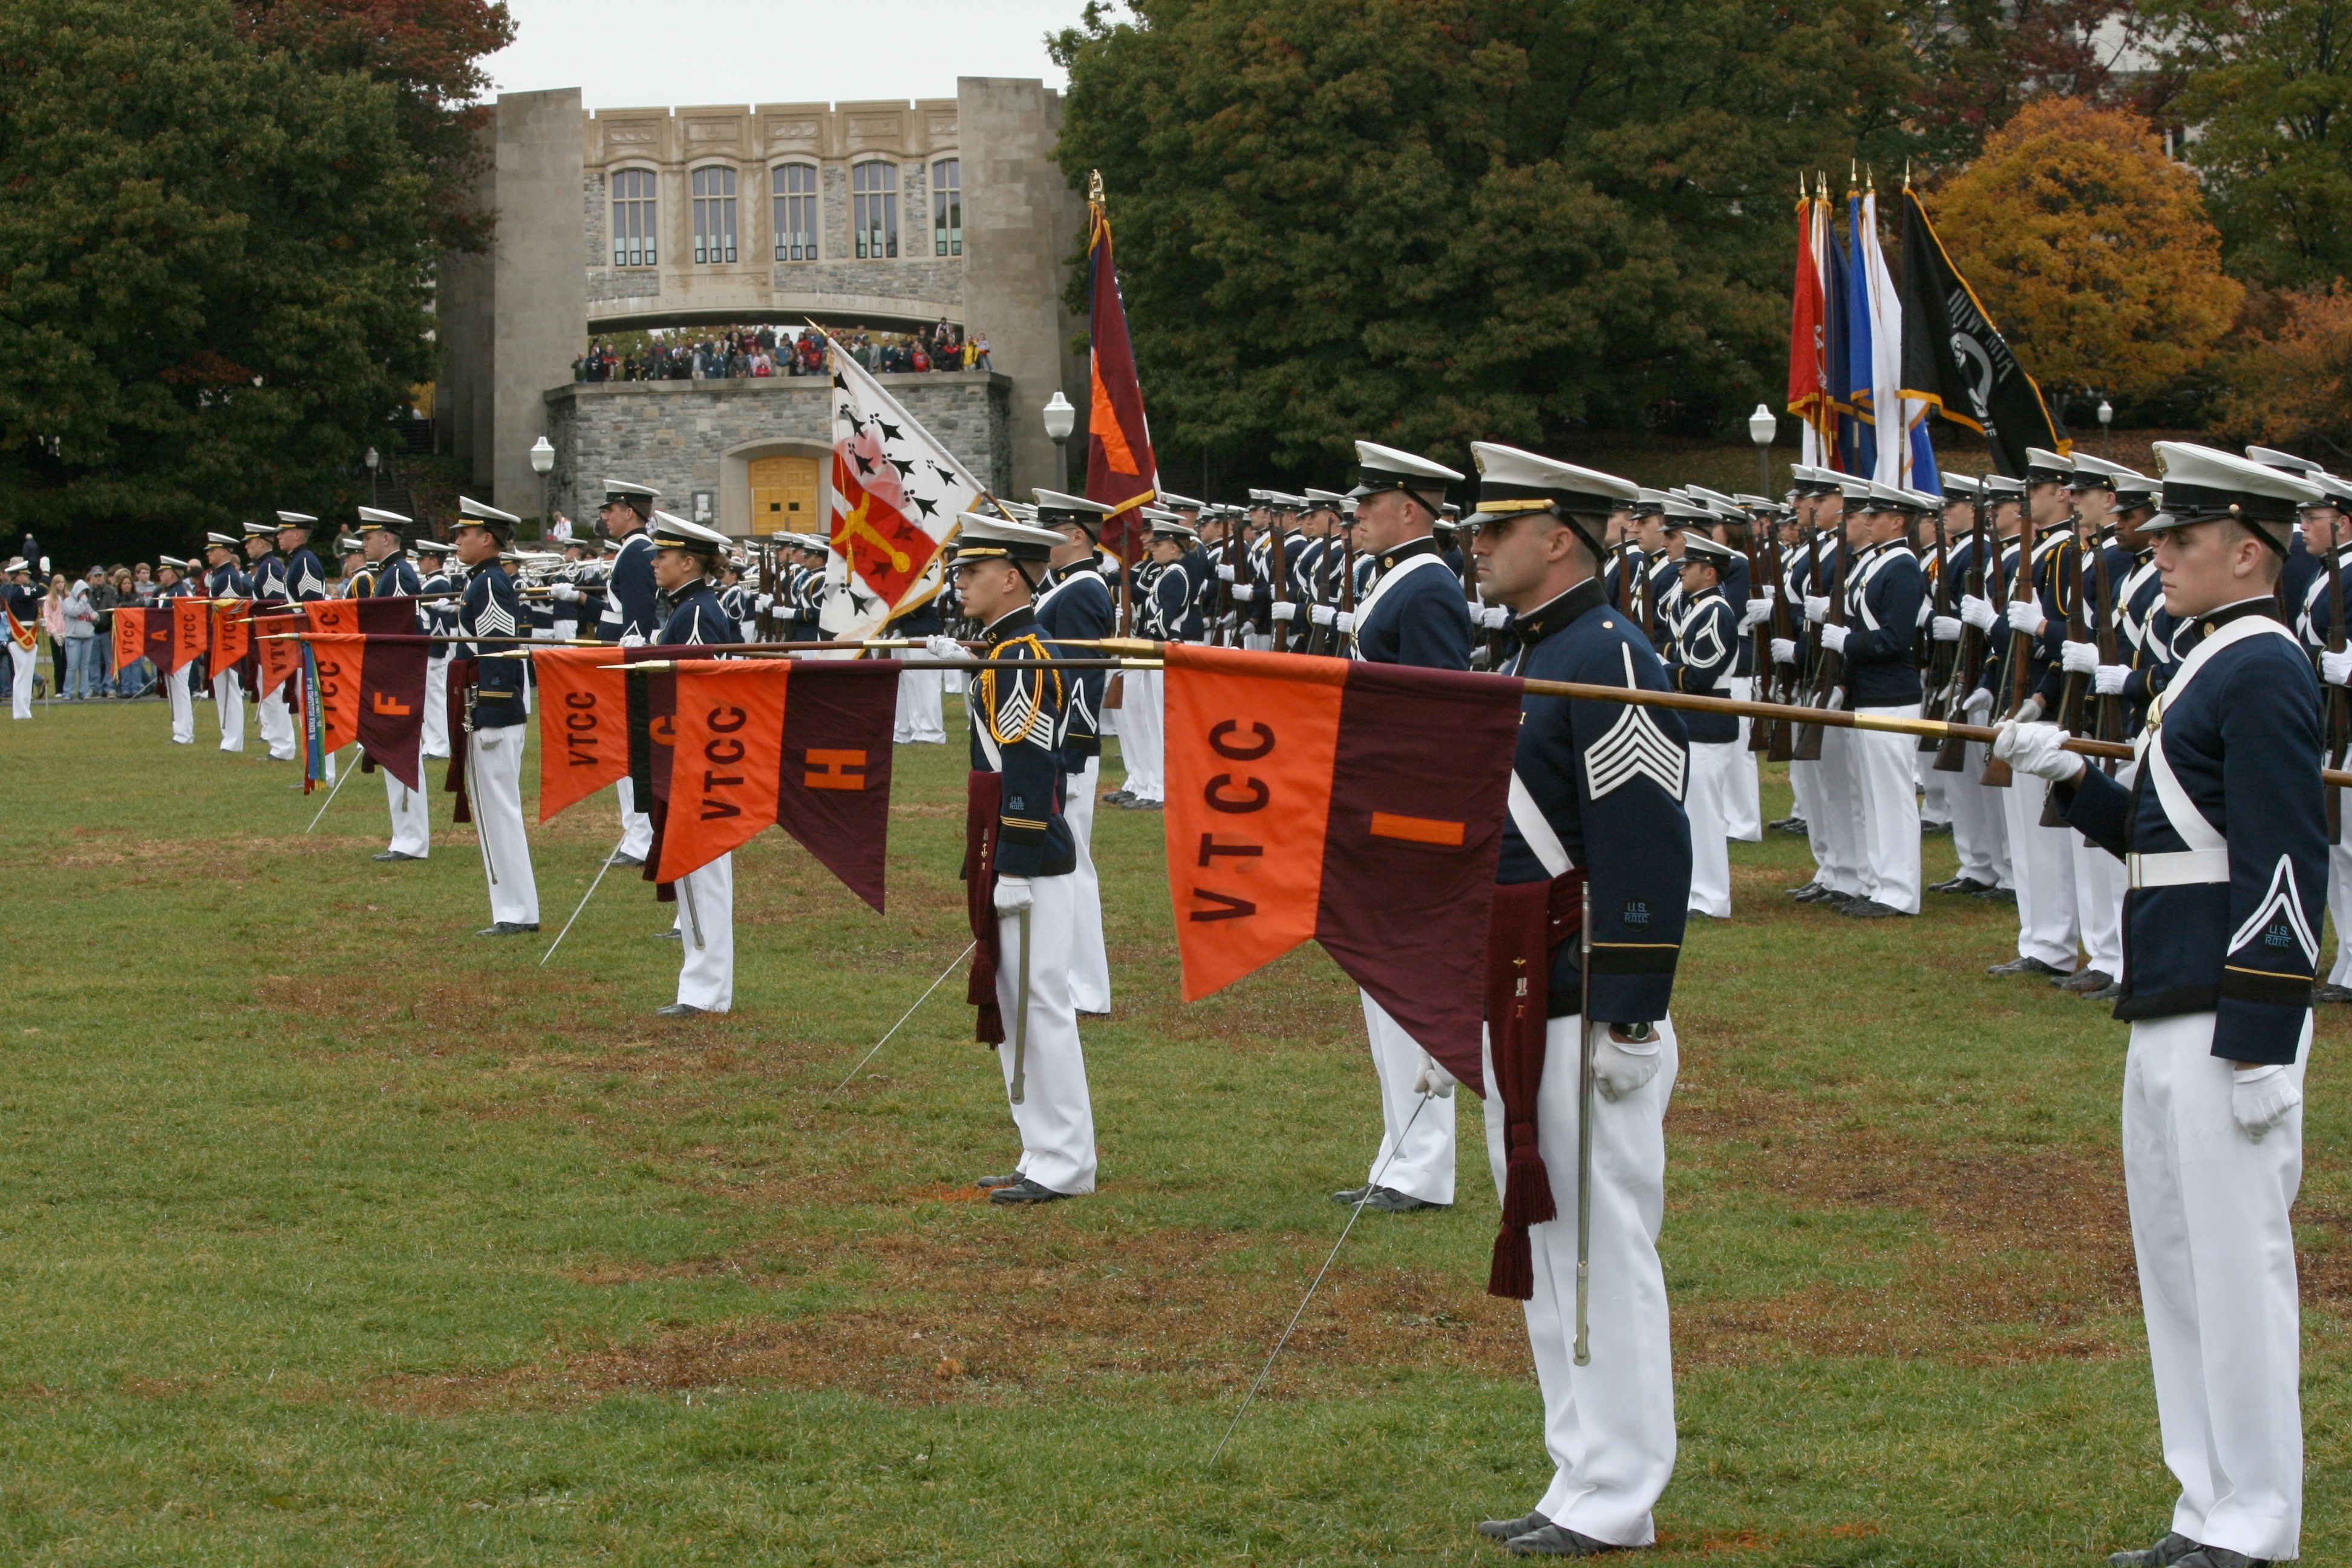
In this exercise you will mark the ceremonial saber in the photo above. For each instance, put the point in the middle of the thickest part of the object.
(1354, 1213)
(1584, 1135)
(909, 1013)
(601, 868)
(1021, 1019)
(344, 779)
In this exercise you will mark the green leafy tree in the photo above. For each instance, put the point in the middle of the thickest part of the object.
(1431, 223)
(213, 273)
(2267, 84)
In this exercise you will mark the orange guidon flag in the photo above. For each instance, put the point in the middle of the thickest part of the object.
(130, 636)
(190, 623)
(232, 635)
(726, 760)
(281, 656)
(1361, 805)
(583, 713)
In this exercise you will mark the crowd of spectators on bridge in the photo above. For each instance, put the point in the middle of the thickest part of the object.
(740, 352)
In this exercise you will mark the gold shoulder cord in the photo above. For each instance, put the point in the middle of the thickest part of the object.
(987, 684)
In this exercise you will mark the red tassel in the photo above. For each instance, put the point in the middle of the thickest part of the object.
(1526, 1189)
(1513, 1275)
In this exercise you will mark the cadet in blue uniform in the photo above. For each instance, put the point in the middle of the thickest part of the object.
(1597, 788)
(687, 558)
(1076, 603)
(223, 579)
(22, 601)
(172, 583)
(1885, 589)
(1165, 614)
(1701, 652)
(2226, 844)
(630, 619)
(435, 613)
(1980, 831)
(389, 575)
(1017, 732)
(1415, 615)
(496, 721)
(2327, 528)
(2303, 563)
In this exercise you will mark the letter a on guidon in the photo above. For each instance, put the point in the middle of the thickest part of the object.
(1361, 805)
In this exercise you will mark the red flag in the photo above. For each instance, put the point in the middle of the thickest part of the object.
(1808, 374)
(1121, 469)
(191, 625)
(130, 636)
(1359, 804)
(803, 744)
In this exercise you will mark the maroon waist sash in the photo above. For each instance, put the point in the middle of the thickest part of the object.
(1530, 922)
(983, 799)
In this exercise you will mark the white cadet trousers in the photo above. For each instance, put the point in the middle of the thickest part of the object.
(1714, 780)
(1090, 963)
(636, 827)
(229, 707)
(1422, 1164)
(494, 782)
(2217, 1286)
(920, 692)
(705, 932)
(1979, 830)
(1800, 801)
(1743, 805)
(1142, 735)
(2043, 858)
(1834, 824)
(412, 819)
(184, 705)
(2339, 898)
(1886, 821)
(276, 720)
(1056, 1117)
(20, 688)
(1609, 1426)
(435, 741)
(2100, 882)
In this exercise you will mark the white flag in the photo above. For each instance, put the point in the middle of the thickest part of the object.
(1893, 431)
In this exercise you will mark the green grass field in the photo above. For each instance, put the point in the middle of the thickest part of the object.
(330, 1233)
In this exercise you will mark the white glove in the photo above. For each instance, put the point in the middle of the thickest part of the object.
(1244, 593)
(1433, 1078)
(1013, 894)
(1283, 611)
(1620, 1069)
(1225, 571)
(563, 593)
(1977, 613)
(1343, 621)
(1228, 621)
(1944, 628)
(632, 639)
(2108, 679)
(2078, 657)
(1817, 607)
(1758, 611)
(765, 603)
(1320, 613)
(2336, 668)
(2260, 1097)
(2031, 708)
(947, 648)
(1494, 618)
(2036, 749)
(1833, 638)
(2025, 615)
(1784, 650)
(1978, 703)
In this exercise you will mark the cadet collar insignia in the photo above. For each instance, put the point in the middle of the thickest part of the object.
(1388, 558)
(1534, 627)
(2207, 624)
(1011, 625)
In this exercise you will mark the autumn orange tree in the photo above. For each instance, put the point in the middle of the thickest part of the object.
(2291, 383)
(2091, 248)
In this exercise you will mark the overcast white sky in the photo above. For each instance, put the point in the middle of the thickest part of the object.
(625, 54)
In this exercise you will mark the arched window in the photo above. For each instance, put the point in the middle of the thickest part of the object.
(874, 208)
(633, 218)
(795, 190)
(714, 214)
(947, 208)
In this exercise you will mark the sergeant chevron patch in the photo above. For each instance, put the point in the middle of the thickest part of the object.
(1633, 748)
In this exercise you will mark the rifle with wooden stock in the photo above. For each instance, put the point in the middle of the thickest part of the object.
(1968, 665)
(1829, 663)
(2020, 668)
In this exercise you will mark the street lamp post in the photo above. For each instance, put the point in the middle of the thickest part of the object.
(1061, 419)
(542, 463)
(372, 460)
(1761, 427)
(2108, 427)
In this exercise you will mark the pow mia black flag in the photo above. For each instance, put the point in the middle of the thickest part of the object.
(1955, 358)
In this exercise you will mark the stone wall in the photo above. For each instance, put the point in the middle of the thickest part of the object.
(681, 436)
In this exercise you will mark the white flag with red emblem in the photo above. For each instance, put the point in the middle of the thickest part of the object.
(897, 492)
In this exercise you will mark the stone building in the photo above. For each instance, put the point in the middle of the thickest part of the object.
(887, 215)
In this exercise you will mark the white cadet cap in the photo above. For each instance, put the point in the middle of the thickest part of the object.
(671, 531)
(982, 538)
(2204, 484)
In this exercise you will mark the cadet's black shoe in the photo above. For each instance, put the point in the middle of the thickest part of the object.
(2222, 1557)
(622, 858)
(2085, 979)
(2326, 991)
(1351, 1197)
(2025, 965)
(1929, 829)
(1969, 885)
(2163, 1554)
(395, 855)
(1117, 797)
(1838, 900)
(1142, 805)
(989, 1183)
(508, 928)
(1388, 1200)
(680, 1010)
(1870, 910)
(1796, 824)
(2112, 993)
(1024, 1190)
(1997, 895)
(1556, 1540)
(1511, 1529)
(1811, 893)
